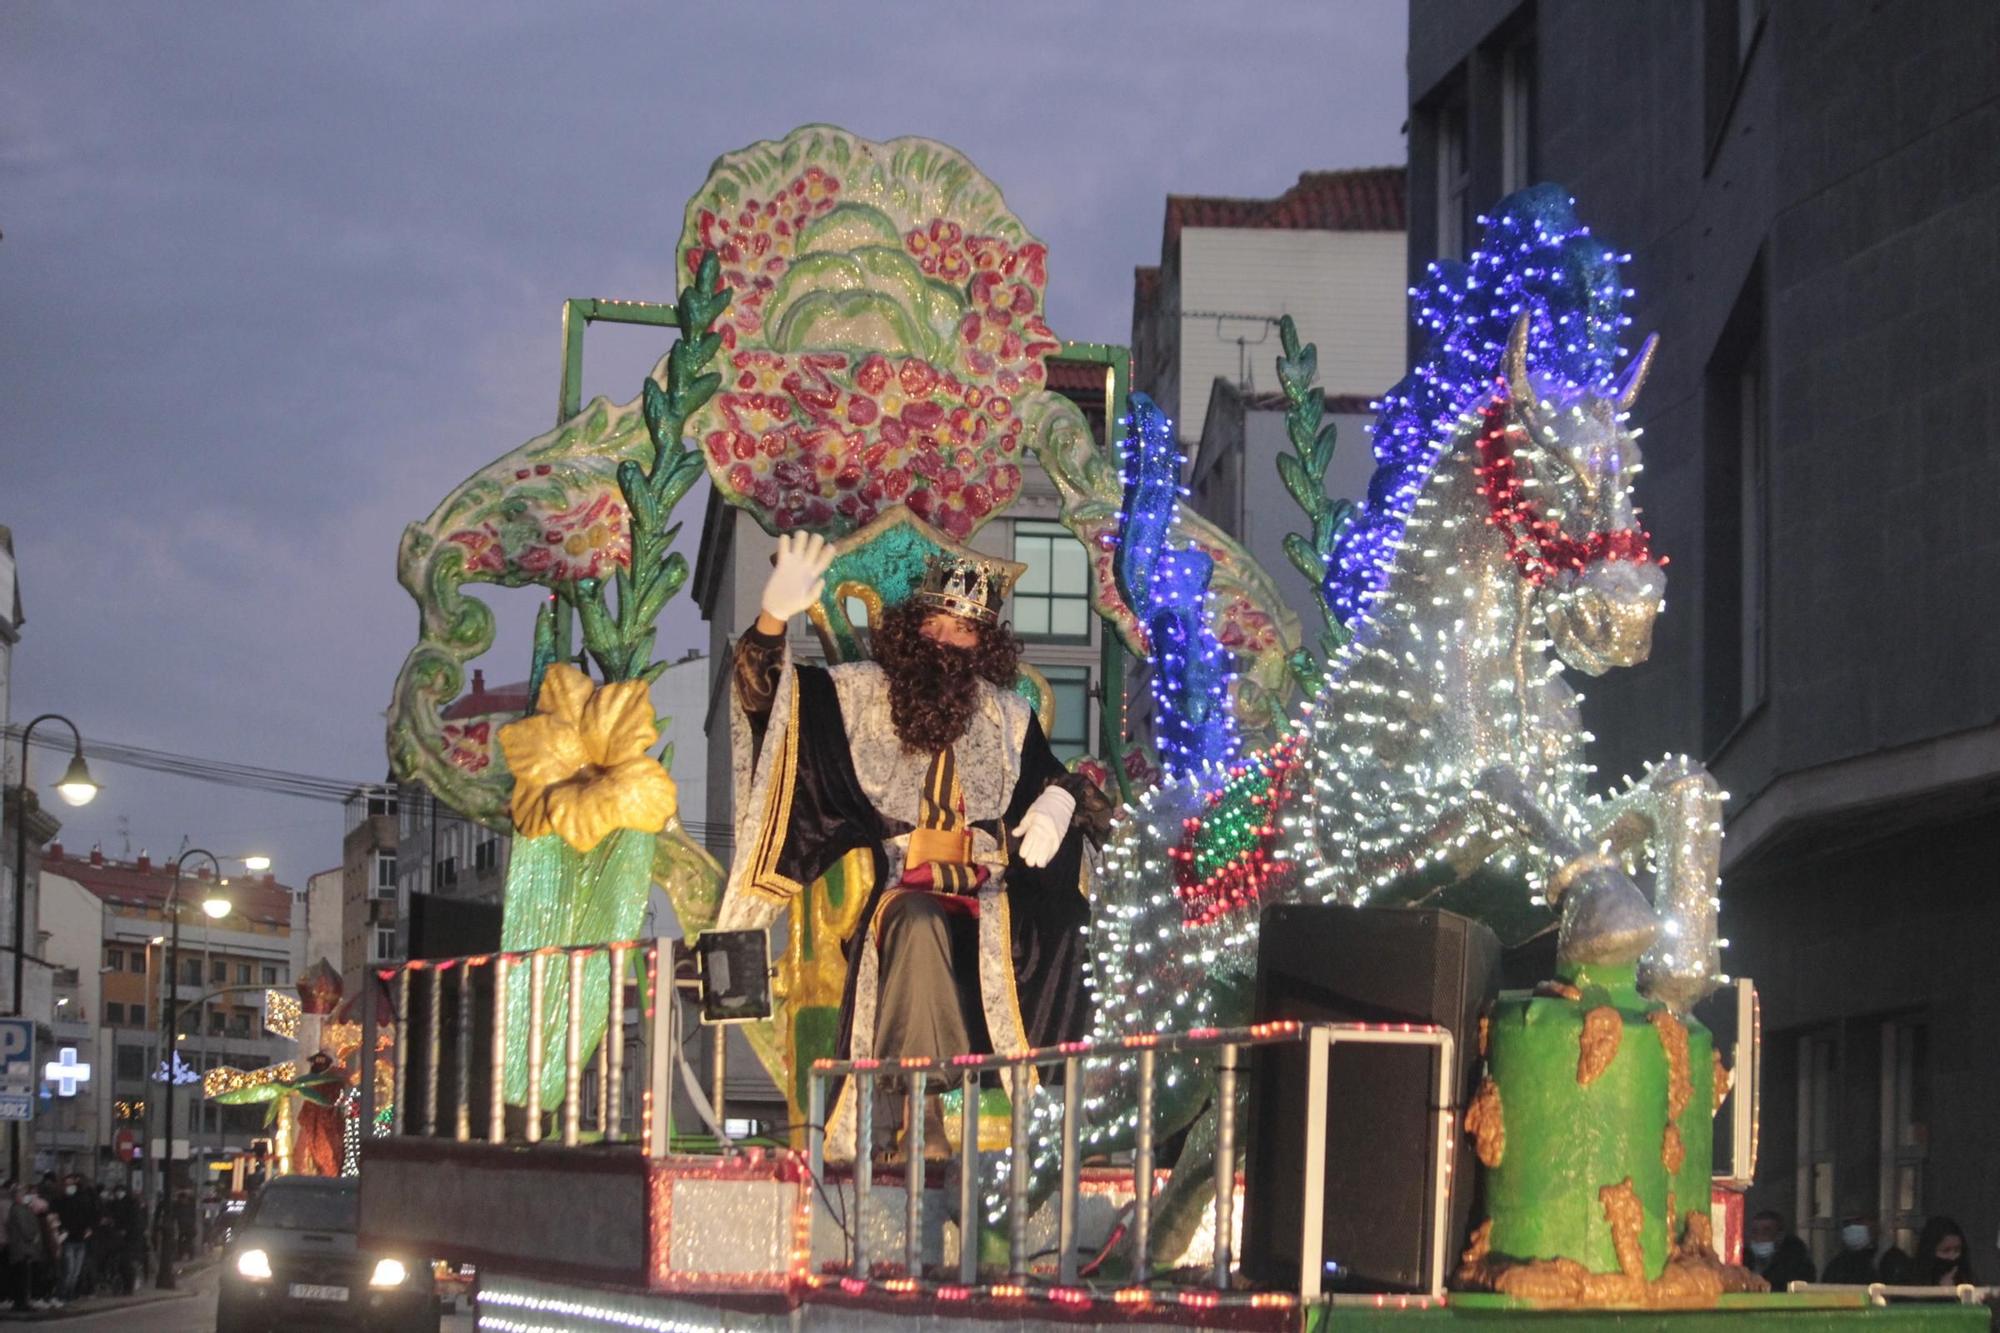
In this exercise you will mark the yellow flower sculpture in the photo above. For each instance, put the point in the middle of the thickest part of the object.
(580, 764)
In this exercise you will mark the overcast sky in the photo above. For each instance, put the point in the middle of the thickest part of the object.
(275, 277)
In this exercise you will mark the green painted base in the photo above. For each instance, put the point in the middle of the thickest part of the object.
(1594, 1128)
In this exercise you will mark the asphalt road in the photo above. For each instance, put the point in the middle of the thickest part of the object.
(193, 1311)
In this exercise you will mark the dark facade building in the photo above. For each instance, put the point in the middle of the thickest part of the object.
(1809, 194)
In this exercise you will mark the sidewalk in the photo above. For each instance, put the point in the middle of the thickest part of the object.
(95, 1305)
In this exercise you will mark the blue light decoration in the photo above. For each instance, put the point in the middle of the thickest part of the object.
(184, 1073)
(1167, 588)
(1534, 256)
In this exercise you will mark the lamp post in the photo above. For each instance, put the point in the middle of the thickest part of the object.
(216, 906)
(76, 787)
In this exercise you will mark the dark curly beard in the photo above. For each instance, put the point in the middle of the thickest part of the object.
(934, 687)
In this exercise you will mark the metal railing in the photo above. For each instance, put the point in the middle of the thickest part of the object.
(1226, 1044)
(1883, 1293)
(450, 1077)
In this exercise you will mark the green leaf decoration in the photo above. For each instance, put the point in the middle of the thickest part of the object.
(557, 896)
(1304, 473)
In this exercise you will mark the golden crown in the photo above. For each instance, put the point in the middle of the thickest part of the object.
(966, 586)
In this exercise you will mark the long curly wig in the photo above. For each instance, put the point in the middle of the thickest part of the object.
(934, 687)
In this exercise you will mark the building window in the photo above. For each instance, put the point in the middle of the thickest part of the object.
(1730, 32)
(444, 874)
(486, 856)
(218, 971)
(216, 1022)
(1736, 591)
(1052, 599)
(1517, 116)
(114, 960)
(1069, 733)
(135, 960)
(1905, 1131)
(1819, 1069)
(385, 874)
(131, 1062)
(190, 971)
(1454, 179)
(114, 1013)
(239, 1024)
(385, 945)
(381, 803)
(271, 975)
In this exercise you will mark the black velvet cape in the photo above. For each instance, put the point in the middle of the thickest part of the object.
(831, 816)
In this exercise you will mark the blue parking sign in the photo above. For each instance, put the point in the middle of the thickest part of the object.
(17, 1068)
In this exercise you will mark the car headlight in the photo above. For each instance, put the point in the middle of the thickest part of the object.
(388, 1273)
(254, 1264)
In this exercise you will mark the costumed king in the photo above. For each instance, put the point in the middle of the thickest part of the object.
(971, 940)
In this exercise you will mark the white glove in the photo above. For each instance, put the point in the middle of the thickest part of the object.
(1044, 827)
(797, 575)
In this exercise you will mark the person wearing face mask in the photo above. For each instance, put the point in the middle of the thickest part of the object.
(1776, 1255)
(1941, 1259)
(24, 1243)
(1856, 1264)
(78, 1215)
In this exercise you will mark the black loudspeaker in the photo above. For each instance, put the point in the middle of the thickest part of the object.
(1361, 965)
(443, 927)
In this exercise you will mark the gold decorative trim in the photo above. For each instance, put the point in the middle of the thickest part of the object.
(764, 879)
(1045, 709)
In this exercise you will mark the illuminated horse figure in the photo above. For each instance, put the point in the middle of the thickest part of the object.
(1442, 758)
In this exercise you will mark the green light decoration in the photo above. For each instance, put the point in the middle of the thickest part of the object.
(555, 894)
(584, 511)
(1304, 473)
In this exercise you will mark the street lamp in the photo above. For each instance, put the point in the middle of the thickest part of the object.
(77, 788)
(217, 907)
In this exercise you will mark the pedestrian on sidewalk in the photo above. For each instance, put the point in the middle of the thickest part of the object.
(77, 1212)
(24, 1244)
(47, 1274)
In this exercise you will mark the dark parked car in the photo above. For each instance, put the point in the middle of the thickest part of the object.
(296, 1263)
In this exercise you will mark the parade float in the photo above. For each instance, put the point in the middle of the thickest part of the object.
(861, 354)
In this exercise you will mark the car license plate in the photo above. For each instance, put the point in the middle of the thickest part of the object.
(307, 1291)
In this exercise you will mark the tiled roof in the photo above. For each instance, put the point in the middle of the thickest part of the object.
(1337, 404)
(1363, 199)
(258, 897)
(482, 702)
(1075, 376)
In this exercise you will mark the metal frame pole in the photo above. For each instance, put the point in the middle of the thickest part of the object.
(1312, 1223)
(538, 971)
(462, 1125)
(1142, 1175)
(864, 1164)
(661, 1052)
(496, 1111)
(572, 1108)
(433, 1046)
(913, 1176)
(1066, 1217)
(611, 1117)
(399, 1119)
(1225, 1164)
(1017, 1175)
(968, 1178)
